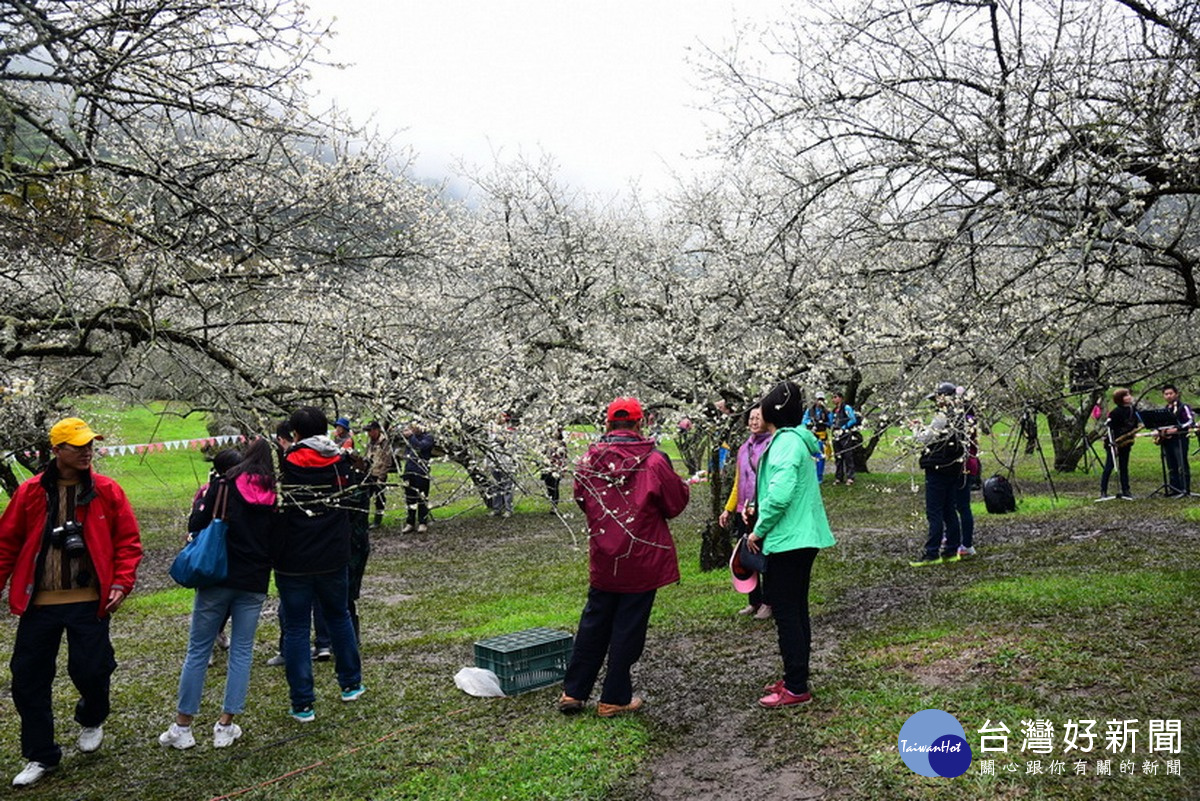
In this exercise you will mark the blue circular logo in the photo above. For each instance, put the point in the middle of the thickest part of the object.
(933, 743)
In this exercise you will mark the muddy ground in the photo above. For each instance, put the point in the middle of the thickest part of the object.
(710, 740)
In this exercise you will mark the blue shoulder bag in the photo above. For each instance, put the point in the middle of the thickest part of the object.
(204, 562)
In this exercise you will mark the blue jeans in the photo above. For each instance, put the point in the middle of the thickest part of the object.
(296, 597)
(211, 607)
(941, 488)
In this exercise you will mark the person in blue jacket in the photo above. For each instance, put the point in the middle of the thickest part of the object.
(818, 419)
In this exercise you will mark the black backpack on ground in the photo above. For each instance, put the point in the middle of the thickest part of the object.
(998, 495)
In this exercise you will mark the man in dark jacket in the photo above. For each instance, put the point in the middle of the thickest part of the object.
(311, 552)
(418, 452)
(628, 490)
(942, 457)
(70, 542)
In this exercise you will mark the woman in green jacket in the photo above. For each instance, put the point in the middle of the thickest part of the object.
(790, 529)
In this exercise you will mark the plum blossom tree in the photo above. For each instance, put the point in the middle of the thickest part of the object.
(166, 195)
(1026, 173)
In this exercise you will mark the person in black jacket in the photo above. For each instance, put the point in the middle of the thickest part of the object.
(311, 554)
(1120, 425)
(1174, 442)
(942, 456)
(243, 498)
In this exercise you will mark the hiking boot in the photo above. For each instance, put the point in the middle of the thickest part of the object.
(304, 714)
(925, 559)
(224, 735)
(783, 697)
(177, 736)
(90, 738)
(763, 613)
(612, 710)
(568, 705)
(966, 551)
(353, 693)
(31, 773)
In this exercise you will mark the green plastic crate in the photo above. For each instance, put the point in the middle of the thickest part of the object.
(526, 660)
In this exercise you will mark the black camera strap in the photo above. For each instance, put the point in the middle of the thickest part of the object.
(69, 517)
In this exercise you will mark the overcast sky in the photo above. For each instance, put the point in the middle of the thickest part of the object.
(604, 86)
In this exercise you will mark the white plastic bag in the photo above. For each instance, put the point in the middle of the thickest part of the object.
(479, 682)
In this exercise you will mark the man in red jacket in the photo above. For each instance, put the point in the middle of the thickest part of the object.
(70, 542)
(628, 490)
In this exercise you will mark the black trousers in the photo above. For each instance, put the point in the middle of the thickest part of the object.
(1121, 464)
(416, 494)
(612, 624)
(786, 590)
(90, 664)
(377, 487)
(552, 481)
(1178, 469)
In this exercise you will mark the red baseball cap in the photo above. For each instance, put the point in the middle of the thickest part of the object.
(624, 409)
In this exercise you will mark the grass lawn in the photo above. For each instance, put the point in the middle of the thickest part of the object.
(1073, 610)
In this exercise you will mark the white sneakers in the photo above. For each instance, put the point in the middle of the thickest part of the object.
(178, 737)
(30, 774)
(90, 738)
(181, 737)
(223, 736)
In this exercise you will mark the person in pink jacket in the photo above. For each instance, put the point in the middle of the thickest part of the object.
(244, 498)
(70, 543)
(627, 490)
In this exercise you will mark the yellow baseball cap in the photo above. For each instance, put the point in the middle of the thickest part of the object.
(72, 431)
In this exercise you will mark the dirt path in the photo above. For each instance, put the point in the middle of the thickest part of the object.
(720, 748)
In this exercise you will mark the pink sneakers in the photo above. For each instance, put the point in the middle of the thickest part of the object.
(779, 695)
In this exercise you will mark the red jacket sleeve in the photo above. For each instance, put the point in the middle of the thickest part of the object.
(673, 490)
(12, 534)
(127, 542)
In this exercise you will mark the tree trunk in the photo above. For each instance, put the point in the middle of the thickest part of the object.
(1069, 436)
(864, 451)
(8, 478)
(714, 540)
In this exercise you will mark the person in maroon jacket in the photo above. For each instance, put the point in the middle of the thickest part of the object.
(69, 541)
(628, 490)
